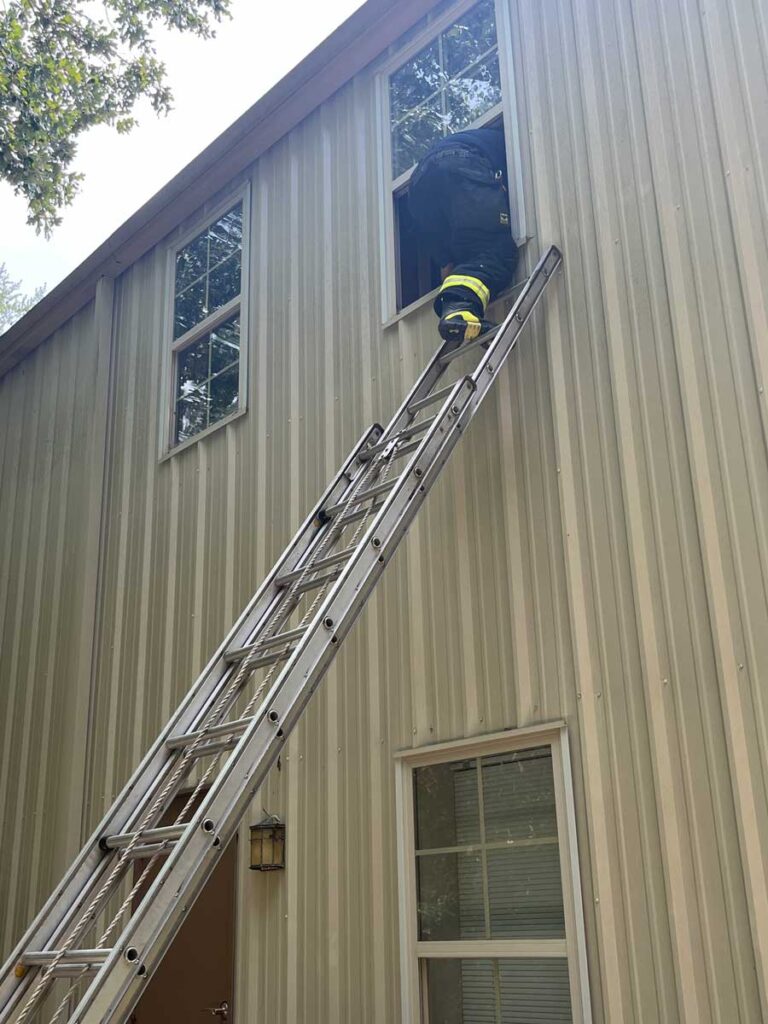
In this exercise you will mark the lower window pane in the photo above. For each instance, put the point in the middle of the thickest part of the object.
(224, 392)
(191, 415)
(512, 991)
(207, 386)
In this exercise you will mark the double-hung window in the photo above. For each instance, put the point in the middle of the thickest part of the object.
(207, 324)
(492, 928)
(453, 82)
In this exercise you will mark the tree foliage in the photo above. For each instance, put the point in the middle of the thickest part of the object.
(13, 303)
(66, 65)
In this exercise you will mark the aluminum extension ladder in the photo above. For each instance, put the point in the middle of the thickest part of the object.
(382, 500)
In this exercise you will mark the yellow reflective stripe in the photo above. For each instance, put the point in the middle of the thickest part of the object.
(463, 314)
(473, 283)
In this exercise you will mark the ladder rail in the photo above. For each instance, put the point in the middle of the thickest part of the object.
(90, 867)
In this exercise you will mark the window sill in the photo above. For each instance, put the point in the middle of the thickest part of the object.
(423, 300)
(170, 452)
(510, 293)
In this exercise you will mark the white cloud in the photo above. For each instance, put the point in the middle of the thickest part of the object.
(214, 81)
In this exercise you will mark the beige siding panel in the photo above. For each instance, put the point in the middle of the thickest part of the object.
(596, 551)
(46, 410)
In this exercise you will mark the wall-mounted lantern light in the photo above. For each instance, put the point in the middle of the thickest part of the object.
(268, 844)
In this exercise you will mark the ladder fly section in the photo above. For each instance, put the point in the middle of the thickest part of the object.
(264, 675)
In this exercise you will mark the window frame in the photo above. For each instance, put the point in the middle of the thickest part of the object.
(172, 347)
(415, 953)
(389, 186)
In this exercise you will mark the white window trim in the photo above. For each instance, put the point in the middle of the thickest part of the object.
(171, 347)
(414, 953)
(388, 186)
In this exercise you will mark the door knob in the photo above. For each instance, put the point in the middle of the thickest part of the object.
(221, 1011)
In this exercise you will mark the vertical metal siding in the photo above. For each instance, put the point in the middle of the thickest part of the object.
(597, 550)
(46, 406)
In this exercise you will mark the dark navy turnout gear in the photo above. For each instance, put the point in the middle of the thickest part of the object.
(458, 199)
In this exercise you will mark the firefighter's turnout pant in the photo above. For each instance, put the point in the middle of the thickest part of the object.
(460, 205)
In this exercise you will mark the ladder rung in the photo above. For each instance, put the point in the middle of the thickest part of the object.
(150, 835)
(319, 581)
(228, 729)
(468, 346)
(145, 850)
(372, 492)
(435, 396)
(233, 657)
(321, 563)
(359, 513)
(214, 748)
(79, 956)
(74, 970)
(238, 653)
(402, 435)
(406, 449)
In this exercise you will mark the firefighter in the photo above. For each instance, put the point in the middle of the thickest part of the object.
(458, 199)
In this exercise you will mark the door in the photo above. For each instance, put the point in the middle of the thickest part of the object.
(195, 980)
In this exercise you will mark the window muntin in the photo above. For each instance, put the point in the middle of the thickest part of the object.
(206, 326)
(446, 87)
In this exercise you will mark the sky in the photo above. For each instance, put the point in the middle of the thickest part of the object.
(213, 81)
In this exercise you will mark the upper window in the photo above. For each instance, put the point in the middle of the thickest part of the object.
(206, 326)
(489, 895)
(452, 83)
(446, 87)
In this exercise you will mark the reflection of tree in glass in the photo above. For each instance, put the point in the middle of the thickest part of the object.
(224, 393)
(208, 271)
(469, 38)
(207, 379)
(416, 81)
(416, 133)
(443, 88)
(471, 95)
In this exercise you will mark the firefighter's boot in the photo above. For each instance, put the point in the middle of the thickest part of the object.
(459, 324)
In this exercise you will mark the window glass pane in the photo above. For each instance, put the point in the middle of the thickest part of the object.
(447, 805)
(415, 134)
(473, 93)
(191, 262)
(525, 893)
(519, 795)
(224, 283)
(415, 81)
(472, 35)
(190, 308)
(224, 393)
(534, 990)
(225, 344)
(508, 991)
(192, 413)
(450, 896)
(226, 235)
(192, 368)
